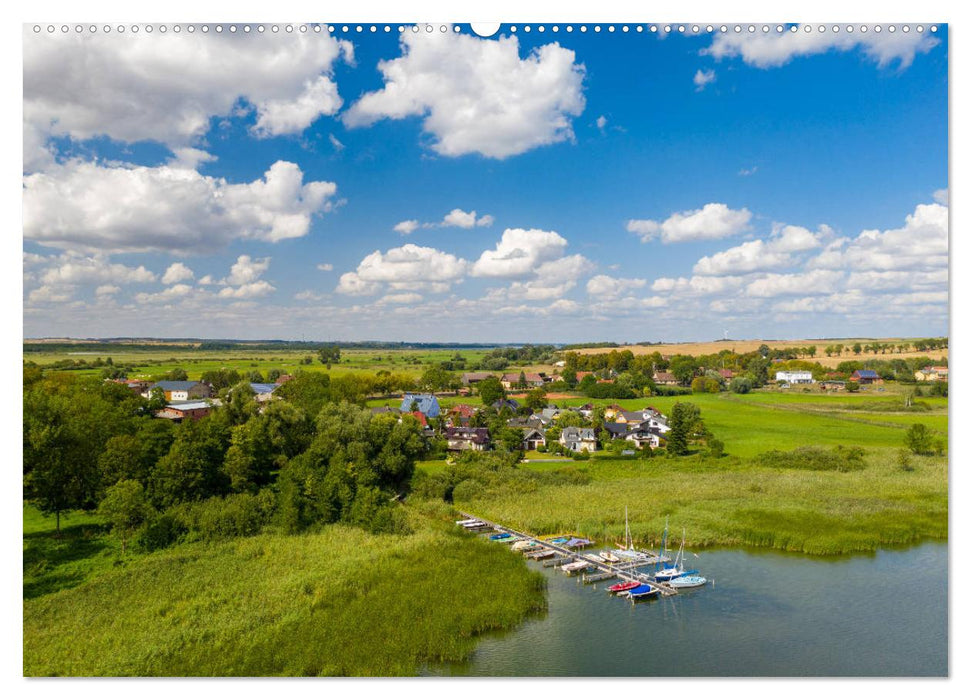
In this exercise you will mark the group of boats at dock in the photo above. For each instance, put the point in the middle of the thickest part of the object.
(643, 574)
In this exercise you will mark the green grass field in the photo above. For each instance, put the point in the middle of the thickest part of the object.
(337, 603)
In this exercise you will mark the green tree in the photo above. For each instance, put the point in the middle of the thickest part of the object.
(763, 350)
(491, 390)
(328, 355)
(740, 385)
(685, 420)
(857, 348)
(536, 399)
(125, 507)
(919, 439)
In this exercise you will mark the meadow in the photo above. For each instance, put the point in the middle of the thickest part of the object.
(339, 602)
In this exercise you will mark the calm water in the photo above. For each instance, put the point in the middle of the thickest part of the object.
(767, 614)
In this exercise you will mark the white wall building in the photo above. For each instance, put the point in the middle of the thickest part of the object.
(794, 377)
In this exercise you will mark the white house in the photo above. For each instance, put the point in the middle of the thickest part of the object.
(794, 377)
(579, 439)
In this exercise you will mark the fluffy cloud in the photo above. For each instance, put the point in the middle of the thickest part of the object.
(702, 78)
(757, 255)
(607, 287)
(712, 221)
(124, 86)
(106, 290)
(407, 267)
(698, 285)
(812, 282)
(87, 206)
(71, 270)
(519, 252)
(552, 279)
(246, 270)
(921, 244)
(248, 290)
(601, 122)
(325, 267)
(407, 227)
(177, 272)
(49, 294)
(773, 49)
(477, 95)
(466, 219)
(170, 294)
(403, 298)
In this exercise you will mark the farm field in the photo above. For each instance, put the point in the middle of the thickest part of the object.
(330, 603)
(743, 346)
(195, 362)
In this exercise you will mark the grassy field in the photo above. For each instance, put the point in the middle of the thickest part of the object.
(743, 346)
(735, 502)
(147, 363)
(340, 602)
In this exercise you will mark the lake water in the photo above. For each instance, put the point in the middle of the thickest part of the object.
(765, 614)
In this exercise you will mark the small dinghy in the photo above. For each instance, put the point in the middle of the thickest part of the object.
(644, 590)
(688, 582)
(623, 587)
(500, 536)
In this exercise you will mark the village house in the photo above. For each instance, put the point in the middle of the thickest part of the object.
(138, 386)
(459, 415)
(579, 439)
(665, 379)
(866, 376)
(612, 410)
(637, 433)
(181, 391)
(193, 410)
(511, 380)
(461, 439)
(726, 374)
(794, 377)
(931, 374)
(425, 403)
(533, 438)
(263, 392)
(586, 410)
(470, 379)
(511, 404)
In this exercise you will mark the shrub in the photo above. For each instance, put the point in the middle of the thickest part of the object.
(918, 439)
(740, 385)
(839, 459)
(236, 515)
(160, 532)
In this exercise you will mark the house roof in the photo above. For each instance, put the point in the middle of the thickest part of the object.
(479, 436)
(572, 433)
(175, 386)
(475, 377)
(263, 388)
(427, 404)
(665, 377)
(616, 428)
(866, 374)
(187, 405)
(511, 403)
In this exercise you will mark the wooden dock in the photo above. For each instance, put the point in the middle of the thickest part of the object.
(624, 571)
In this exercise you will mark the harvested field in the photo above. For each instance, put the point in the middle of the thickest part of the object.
(743, 346)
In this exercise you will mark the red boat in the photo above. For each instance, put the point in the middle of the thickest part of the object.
(624, 586)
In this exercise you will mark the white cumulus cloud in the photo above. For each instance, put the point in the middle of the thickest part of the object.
(519, 252)
(773, 49)
(702, 78)
(607, 287)
(87, 206)
(477, 95)
(712, 221)
(177, 272)
(408, 267)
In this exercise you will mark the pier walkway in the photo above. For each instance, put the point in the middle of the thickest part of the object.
(622, 571)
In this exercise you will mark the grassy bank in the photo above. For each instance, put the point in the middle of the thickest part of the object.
(340, 602)
(735, 502)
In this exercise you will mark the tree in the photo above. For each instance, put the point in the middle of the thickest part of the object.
(740, 385)
(857, 348)
(852, 386)
(536, 399)
(328, 355)
(491, 390)
(759, 369)
(763, 350)
(683, 369)
(521, 382)
(685, 419)
(125, 507)
(918, 439)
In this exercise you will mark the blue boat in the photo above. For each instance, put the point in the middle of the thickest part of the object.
(645, 590)
(500, 536)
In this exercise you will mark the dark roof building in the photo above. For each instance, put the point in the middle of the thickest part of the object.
(426, 403)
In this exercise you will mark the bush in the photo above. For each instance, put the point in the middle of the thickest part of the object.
(236, 515)
(740, 385)
(581, 456)
(160, 532)
(716, 448)
(839, 459)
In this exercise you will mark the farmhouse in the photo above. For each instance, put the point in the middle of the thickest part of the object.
(193, 410)
(426, 403)
(181, 391)
(665, 379)
(866, 376)
(138, 386)
(512, 380)
(460, 439)
(794, 377)
(931, 374)
(473, 378)
(579, 439)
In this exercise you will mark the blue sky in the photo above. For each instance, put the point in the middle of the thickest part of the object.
(627, 187)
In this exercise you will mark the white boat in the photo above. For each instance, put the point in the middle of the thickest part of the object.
(676, 570)
(576, 566)
(522, 544)
(688, 582)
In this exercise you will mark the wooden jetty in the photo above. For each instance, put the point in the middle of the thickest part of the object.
(557, 561)
(624, 571)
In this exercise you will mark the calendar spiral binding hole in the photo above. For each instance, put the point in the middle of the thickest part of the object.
(318, 28)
